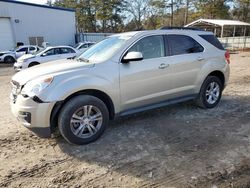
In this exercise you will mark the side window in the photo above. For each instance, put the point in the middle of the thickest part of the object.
(23, 49)
(49, 52)
(67, 50)
(213, 40)
(181, 44)
(57, 51)
(32, 48)
(71, 50)
(84, 46)
(150, 47)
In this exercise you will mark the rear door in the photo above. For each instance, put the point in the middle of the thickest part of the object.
(21, 51)
(67, 53)
(186, 60)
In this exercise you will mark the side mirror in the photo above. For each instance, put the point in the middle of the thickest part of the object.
(44, 54)
(132, 56)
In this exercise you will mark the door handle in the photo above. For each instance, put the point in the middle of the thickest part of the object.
(163, 66)
(200, 58)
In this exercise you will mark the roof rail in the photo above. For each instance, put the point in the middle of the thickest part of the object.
(180, 28)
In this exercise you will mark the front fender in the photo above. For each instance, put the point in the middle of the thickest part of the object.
(12, 55)
(66, 86)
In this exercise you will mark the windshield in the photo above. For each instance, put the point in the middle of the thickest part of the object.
(103, 50)
(37, 52)
(77, 45)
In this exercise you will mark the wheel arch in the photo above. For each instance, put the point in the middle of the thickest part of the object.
(9, 55)
(218, 74)
(93, 92)
(33, 62)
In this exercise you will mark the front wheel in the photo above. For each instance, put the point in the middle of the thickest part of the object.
(9, 60)
(83, 119)
(210, 93)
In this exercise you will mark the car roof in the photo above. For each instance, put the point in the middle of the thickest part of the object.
(86, 42)
(164, 31)
(51, 47)
(25, 46)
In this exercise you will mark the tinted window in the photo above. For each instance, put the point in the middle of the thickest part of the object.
(32, 48)
(213, 40)
(67, 50)
(22, 50)
(181, 44)
(150, 47)
(84, 46)
(53, 51)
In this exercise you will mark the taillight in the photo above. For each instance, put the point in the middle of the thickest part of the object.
(227, 57)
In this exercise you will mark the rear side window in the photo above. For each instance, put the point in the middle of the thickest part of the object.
(182, 44)
(32, 48)
(67, 50)
(213, 40)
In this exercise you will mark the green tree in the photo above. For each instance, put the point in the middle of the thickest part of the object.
(241, 10)
(212, 9)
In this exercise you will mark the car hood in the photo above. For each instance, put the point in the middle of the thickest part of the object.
(26, 56)
(52, 68)
(6, 52)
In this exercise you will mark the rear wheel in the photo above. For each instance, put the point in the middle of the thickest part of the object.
(210, 93)
(9, 60)
(83, 119)
(33, 64)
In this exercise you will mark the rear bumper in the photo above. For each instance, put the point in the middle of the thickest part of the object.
(33, 115)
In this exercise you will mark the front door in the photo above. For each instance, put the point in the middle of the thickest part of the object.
(147, 81)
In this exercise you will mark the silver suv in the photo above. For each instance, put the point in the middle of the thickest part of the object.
(123, 74)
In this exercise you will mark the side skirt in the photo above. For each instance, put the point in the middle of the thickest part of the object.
(157, 105)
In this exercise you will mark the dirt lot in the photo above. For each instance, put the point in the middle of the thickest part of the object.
(176, 146)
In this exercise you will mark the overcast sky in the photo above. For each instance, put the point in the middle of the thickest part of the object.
(35, 1)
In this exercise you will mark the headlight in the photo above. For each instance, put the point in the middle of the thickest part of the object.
(21, 60)
(36, 86)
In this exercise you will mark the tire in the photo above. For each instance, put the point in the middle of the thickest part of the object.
(75, 122)
(33, 64)
(209, 98)
(9, 60)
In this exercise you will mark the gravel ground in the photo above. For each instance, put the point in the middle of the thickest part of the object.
(175, 146)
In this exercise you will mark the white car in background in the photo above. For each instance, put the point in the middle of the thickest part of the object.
(11, 55)
(46, 55)
(83, 46)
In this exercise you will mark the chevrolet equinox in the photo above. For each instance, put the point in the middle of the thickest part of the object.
(123, 74)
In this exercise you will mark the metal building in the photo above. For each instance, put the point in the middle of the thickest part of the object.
(33, 24)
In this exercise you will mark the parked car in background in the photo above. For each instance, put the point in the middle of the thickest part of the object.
(83, 46)
(46, 55)
(12, 55)
(123, 74)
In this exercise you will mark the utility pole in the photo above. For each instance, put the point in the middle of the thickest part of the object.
(172, 13)
(186, 12)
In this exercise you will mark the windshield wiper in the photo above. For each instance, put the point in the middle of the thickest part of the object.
(82, 59)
